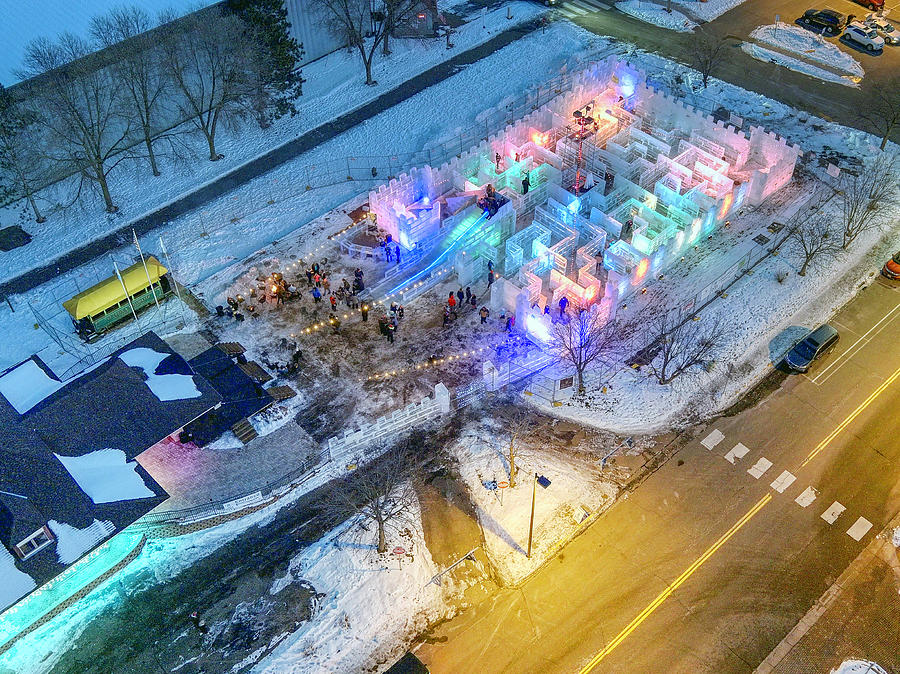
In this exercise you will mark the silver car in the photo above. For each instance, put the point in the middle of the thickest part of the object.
(885, 28)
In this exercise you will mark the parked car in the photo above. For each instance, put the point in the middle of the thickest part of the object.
(863, 35)
(819, 342)
(891, 268)
(885, 29)
(826, 20)
(871, 5)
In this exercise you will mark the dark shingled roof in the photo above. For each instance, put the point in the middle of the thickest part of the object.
(110, 406)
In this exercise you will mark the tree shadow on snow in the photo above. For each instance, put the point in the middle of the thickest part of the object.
(783, 342)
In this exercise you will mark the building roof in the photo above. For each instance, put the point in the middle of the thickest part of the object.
(109, 291)
(109, 412)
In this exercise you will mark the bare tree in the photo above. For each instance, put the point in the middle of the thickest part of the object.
(683, 344)
(214, 67)
(812, 241)
(20, 162)
(585, 339)
(363, 23)
(868, 195)
(709, 52)
(395, 11)
(881, 112)
(381, 494)
(137, 68)
(80, 107)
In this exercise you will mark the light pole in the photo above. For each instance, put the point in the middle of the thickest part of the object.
(544, 482)
(583, 118)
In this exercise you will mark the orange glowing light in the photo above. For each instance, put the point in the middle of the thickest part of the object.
(539, 138)
(642, 268)
(729, 199)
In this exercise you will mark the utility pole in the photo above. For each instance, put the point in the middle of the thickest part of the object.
(512, 460)
(531, 524)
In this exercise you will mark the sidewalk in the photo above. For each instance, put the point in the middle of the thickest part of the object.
(262, 164)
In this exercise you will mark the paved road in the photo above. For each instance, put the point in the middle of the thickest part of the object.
(263, 164)
(633, 585)
(827, 100)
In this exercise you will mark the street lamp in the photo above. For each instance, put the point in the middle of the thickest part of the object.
(582, 118)
(544, 482)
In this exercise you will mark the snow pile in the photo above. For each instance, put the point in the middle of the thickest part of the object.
(369, 604)
(709, 10)
(768, 55)
(72, 543)
(896, 539)
(652, 12)
(164, 386)
(813, 46)
(14, 584)
(105, 476)
(858, 667)
(504, 514)
(27, 385)
(273, 418)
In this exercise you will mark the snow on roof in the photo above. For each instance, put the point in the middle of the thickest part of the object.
(72, 543)
(26, 385)
(105, 476)
(14, 584)
(164, 386)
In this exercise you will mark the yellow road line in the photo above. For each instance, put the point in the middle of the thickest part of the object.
(678, 582)
(855, 413)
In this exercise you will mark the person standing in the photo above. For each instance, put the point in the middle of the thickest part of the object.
(490, 278)
(390, 332)
(451, 301)
(563, 302)
(468, 293)
(484, 315)
(317, 294)
(388, 254)
(333, 301)
(317, 280)
(526, 183)
(397, 253)
(459, 296)
(474, 301)
(309, 276)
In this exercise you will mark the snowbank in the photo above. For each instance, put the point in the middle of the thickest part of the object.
(858, 667)
(652, 12)
(707, 11)
(27, 385)
(105, 476)
(896, 538)
(763, 54)
(574, 493)
(72, 543)
(813, 46)
(369, 604)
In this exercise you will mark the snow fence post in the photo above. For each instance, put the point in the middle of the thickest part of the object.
(442, 398)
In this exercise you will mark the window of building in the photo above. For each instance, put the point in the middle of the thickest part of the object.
(39, 540)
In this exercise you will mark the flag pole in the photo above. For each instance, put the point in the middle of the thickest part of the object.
(137, 244)
(169, 265)
(127, 296)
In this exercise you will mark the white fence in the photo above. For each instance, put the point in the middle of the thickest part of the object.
(391, 424)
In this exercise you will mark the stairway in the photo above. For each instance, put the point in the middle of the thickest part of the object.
(244, 431)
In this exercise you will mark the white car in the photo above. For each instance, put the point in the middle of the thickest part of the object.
(884, 28)
(863, 35)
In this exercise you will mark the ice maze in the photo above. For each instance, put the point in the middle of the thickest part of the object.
(611, 201)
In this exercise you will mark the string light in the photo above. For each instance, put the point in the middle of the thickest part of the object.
(426, 364)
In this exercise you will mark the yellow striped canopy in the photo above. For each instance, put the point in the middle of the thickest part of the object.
(109, 291)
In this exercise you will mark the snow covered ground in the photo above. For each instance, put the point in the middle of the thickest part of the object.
(808, 44)
(335, 86)
(710, 9)
(575, 493)
(858, 667)
(368, 605)
(771, 56)
(652, 12)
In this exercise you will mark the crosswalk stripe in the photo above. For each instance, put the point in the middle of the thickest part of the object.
(736, 452)
(859, 529)
(760, 467)
(594, 4)
(783, 481)
(575, 9)
(567, 13)
(713, 439)
(807, 497)
(834, 511)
